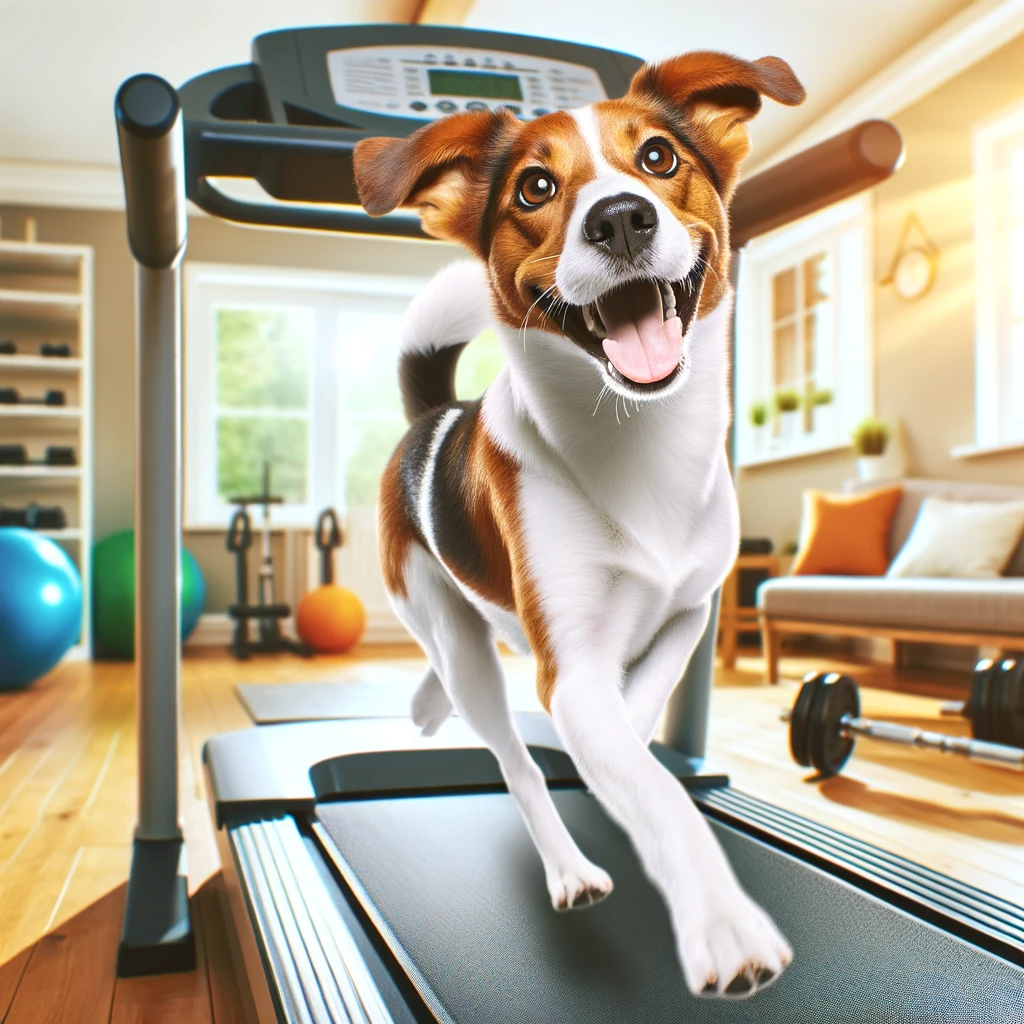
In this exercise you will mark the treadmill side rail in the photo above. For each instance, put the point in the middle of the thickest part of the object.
(315, 968)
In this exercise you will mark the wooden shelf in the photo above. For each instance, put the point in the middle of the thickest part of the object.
(57, 363)
(40, 472)
(60, 412)
(46, 294)
(52, 305)
(49, 260)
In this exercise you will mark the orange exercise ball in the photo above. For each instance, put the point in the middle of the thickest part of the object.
(330, 619)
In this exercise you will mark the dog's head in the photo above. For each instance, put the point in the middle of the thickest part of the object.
(609, 224)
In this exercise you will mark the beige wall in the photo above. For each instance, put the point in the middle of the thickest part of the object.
(924, 350)
(210, 241)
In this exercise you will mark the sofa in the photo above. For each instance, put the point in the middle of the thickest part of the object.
(974, 612)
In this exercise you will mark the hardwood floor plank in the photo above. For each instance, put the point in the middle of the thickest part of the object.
(168, 998)
(70, 976)
(226, 996)
(10, 978)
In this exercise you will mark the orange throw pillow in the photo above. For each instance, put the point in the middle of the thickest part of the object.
(846, 534)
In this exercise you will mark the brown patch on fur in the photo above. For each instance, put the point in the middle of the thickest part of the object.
(500, 471)
(491, 495)
(396, 532)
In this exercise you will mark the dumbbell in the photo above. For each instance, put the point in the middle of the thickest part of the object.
(34, 517)
(10, 396)
(55, 455)
(8, 348)
(58, 349)
(825, 721)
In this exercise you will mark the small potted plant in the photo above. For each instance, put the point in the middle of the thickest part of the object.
(820, 411)
(787, 406)
(758, 416)
(870, 439)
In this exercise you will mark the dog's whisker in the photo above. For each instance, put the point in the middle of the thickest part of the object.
(541, 259)
(523, 326)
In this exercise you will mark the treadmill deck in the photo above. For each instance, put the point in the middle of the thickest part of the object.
(456, 889)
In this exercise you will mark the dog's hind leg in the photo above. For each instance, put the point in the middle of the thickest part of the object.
(431, 706)
(463, 654)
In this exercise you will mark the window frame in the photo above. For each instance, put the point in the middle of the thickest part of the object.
(993, 283)
(851, 377)
(209, 285)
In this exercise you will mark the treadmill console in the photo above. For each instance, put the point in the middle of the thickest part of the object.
(429, 82)
(290, 119)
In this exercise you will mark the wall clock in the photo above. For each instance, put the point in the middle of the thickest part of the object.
(913, 267)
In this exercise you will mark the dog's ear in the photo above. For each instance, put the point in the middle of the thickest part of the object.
(717, 94)
(444, 169)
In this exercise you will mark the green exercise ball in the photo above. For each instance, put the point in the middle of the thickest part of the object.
(113, 595)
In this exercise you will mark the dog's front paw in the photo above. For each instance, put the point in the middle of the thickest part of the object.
(577, 886)
(732, 951)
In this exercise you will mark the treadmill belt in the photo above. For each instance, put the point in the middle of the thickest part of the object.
(456, 887)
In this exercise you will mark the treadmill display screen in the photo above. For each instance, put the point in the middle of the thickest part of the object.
(481, 84)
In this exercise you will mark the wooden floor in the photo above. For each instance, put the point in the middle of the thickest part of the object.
(67, 809)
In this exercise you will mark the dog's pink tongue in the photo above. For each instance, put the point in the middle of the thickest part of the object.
(641, 345)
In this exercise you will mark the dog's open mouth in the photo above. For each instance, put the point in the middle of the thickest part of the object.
(637, 331)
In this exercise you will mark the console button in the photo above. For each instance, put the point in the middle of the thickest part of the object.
(511, 108)
(540, 111)
(418, 105)
(476, 105)
(446, 106)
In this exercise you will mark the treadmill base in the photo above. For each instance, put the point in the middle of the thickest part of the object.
(157, 936)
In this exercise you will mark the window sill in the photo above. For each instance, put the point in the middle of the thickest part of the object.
(980, 451)
(789, 454)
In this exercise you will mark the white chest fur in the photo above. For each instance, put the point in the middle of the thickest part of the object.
(629, 511)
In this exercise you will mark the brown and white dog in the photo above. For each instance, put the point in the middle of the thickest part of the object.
(582, 509)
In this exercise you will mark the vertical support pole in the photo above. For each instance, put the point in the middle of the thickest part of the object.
(158, 547)
(157, 935)
(684, 725)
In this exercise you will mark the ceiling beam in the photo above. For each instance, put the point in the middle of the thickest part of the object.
(442, 12)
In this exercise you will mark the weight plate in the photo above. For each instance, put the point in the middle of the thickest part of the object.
(799, 719)
(1000, 701)
(828, 748)
(980, 706)
(1013, 727)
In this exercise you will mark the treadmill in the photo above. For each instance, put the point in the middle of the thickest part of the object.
(379, 877)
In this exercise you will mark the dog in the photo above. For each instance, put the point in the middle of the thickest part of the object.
(582, 509)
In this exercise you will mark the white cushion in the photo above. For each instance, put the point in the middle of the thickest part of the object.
(964, 539)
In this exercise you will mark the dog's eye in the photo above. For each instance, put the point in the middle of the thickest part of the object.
(536, 188)
(658, 157)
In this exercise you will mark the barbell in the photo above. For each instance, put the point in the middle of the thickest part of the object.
(825, 720)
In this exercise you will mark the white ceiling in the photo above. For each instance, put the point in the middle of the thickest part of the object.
(61, 61)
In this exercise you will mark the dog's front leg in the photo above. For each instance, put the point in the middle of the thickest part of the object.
(653, 676)
(726, 944)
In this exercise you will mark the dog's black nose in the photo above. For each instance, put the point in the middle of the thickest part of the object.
(622, 224)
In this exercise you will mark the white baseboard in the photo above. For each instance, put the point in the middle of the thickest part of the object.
(216, 629)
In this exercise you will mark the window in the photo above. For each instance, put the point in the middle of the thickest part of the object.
(802, 374)
(999, 263)
(294, 369)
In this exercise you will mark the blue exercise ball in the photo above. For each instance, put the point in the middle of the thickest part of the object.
(40, 606)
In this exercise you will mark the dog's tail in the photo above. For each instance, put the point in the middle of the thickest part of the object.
(449, 313)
